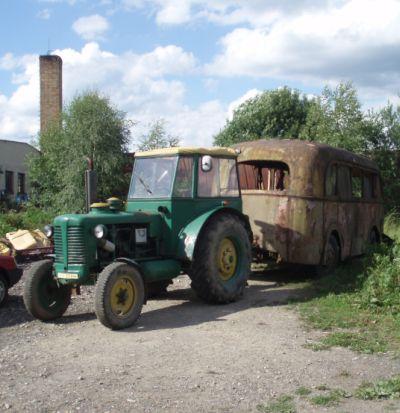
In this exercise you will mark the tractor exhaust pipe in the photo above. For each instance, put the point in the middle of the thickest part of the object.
(90, 185)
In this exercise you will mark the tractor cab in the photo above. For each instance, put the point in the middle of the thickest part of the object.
(181, 184)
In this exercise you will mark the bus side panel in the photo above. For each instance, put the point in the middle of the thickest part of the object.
(331, 221)
(370, 216)
(305, 231)
(268, 215)
(346, 227)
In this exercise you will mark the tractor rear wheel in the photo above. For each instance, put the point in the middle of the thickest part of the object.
(119, 296)
(222, 259)
(44, 298)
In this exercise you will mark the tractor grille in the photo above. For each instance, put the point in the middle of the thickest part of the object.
(76, 245)
(58, 245)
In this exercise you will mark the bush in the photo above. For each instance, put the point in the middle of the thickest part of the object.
(29, 218)
(381, 286)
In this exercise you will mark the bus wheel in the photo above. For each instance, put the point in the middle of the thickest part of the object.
(331, 258)
(373, 237)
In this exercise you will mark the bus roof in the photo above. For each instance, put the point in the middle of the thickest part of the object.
(216, 151)
(293, 151)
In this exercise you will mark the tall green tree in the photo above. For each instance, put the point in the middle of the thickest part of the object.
(382, 131)
(336, 118)
(157, 137)
(279, 113)
(91, 128)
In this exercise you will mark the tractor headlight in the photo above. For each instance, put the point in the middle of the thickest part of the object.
(100, 231)
(48, 231)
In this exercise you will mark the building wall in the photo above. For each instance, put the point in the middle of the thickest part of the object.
(13, 158)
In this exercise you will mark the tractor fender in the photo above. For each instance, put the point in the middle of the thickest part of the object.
(129, 261)
(189, 234)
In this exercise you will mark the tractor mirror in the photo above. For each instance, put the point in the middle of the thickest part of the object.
(206, 163)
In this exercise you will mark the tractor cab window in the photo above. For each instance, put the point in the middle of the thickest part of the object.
(152, 177)
(184, 178)
(220, 180)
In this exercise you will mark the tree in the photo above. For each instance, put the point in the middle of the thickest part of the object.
(91, 128)
(157, 137)
(336, 118)
(279, 113)
(382, 131)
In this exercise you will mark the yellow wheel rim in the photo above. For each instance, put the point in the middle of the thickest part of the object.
(123, 296)
(227, 259)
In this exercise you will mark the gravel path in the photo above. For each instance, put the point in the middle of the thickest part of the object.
(181, 356)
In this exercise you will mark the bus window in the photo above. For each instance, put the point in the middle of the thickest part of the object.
(331, 181)
(267, 176)
(356, 183)
(344, 186)
(367, 186)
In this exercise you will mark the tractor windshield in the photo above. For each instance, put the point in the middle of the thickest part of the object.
(152, 177)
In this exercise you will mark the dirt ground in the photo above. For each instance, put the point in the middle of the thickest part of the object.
(181, 356)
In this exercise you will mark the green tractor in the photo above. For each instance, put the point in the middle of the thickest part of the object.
(183, 215)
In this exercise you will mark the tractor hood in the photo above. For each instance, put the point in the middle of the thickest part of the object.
(105, 215)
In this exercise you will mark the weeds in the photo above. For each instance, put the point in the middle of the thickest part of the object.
(362, 296)
(283, 404)
(382, 389)
(331, 399)
(303, 391)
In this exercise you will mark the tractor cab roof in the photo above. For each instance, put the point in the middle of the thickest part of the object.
(216, 151)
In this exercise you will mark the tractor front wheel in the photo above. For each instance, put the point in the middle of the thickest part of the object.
(44, 298)
(222, 260)
(119, 296)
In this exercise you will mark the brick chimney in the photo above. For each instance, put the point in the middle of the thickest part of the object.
(50, 91)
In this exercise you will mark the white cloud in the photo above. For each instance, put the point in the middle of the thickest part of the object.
(91, 27)
(19, 112)
(146, 86)
(250, 94)
(44, 14)
(224, 12)
(356, 40)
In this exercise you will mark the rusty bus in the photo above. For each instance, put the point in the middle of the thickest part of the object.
(309, 203)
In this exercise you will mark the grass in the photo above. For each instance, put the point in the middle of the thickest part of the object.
(330, 399)
(283, 404)
(303, 391)
(382, 389)
(359, 305)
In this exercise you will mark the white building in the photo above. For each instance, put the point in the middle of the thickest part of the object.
(14, 167)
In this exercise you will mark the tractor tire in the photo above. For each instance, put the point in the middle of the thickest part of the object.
(222, 259)
(119, 296)
(44, 298)
(3, 290)
(332, 257)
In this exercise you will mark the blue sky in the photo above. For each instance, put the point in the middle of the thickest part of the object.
(191, 62)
